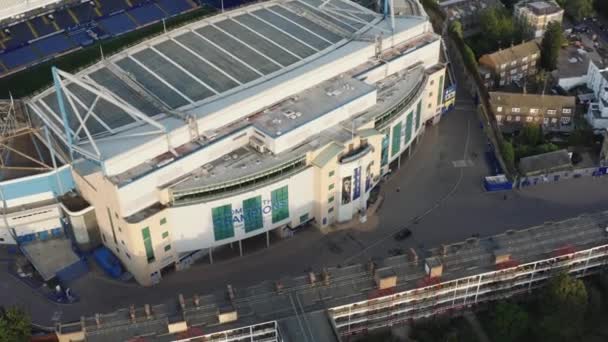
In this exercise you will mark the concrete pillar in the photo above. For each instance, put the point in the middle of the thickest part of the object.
(399, 162)
(211, 255)
(241, 247)
(409, 152)
(267, 239)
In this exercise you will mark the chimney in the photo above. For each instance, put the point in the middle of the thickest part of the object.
(132, 313)
(326, 277)
(98, 320)
(433, 267)
(230, 292)
(412, 255)
(444, 250)
(279, 287)
(182, 303)
(371, 267)
(148, 311)
(312, 278)
(197, 300)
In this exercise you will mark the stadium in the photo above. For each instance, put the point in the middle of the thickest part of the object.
(255, 121)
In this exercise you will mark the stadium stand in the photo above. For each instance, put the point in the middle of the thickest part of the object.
(70, 25)
(53, 45)
(147, 14)
(117, 24)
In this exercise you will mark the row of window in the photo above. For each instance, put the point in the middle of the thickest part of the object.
(522, 60)
(516, 118)
(536, 110)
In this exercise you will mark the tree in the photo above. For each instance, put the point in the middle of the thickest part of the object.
(508, 154)
(564, 300)
(532, 134)
(509, 322)
(499, 29)
(455, 29)
(578, 9)
(552, 42)
(14, 325)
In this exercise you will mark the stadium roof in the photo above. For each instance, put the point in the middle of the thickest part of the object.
(182, 70)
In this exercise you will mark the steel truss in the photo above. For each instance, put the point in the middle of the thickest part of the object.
(76, 135)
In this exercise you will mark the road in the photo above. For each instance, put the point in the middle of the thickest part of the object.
(448, 201)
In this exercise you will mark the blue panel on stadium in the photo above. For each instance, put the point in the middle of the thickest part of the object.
(117, 24)
(53, 45)
(174, 7)
(18, 57)
(41, 27)
(63, 19)
(82, 38)
(112, 6)
(21, 32)
(84, 12)
(227, 3)
(147, 14)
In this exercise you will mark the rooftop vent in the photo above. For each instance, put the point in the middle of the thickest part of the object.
(385, 279)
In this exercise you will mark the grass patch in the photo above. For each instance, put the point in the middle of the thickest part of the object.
(35, 79)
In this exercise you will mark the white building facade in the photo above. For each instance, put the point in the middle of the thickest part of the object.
(269, 117)
(597, 113)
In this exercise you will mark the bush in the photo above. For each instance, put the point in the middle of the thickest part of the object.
(508, 154)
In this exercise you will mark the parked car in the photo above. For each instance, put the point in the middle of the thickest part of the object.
(402, 234)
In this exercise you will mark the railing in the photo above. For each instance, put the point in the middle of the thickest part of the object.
(191, 196)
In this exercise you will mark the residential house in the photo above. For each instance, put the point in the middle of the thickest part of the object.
(505, 66)
(536, 15)
(552, 112)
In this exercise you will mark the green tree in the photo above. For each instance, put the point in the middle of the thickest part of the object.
(509, 322)
(508, 154)
(564, 300)
(14, 325)
(455, 29)
(499, 29)
(552, 42)
(578, 9)
(532, 134)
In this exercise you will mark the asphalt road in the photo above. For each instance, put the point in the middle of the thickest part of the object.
(447, 200)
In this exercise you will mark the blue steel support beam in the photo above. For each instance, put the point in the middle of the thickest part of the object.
(64, 116)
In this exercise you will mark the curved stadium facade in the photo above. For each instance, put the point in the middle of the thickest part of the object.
(256, 120)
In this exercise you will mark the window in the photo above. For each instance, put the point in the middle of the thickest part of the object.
(432, 82)
(513, 71)
(430, 94)
(509, 117)
(117, 250)
(128, 256)
(487, 76)
(165, 235)
(499, 109)
(396, 140)
(440, 90)
(112, 225)
(524, 60)
(115, 214)
(429, 106)
(409, 123)
(304, 218)
(252, 212)
(119, 230)
(534, 55)
(223, 226)
(145, 234)
(533, 110)
(514, 63)
(566, 110)
(515, 109)
(331, 186)
(167, 248)
(551, 111)
(163, 221)
(418, 110)
(122, 241)
(502, 74)
(545, 121)
(330, 210)
(503, 66)
(103, 237)
(517, 118)
(524, 67)
(529, 118)
(499, 118)
(331, 173)
(280, 204)
(331, 199)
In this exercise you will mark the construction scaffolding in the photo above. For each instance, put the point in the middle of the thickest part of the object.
(339, 302)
